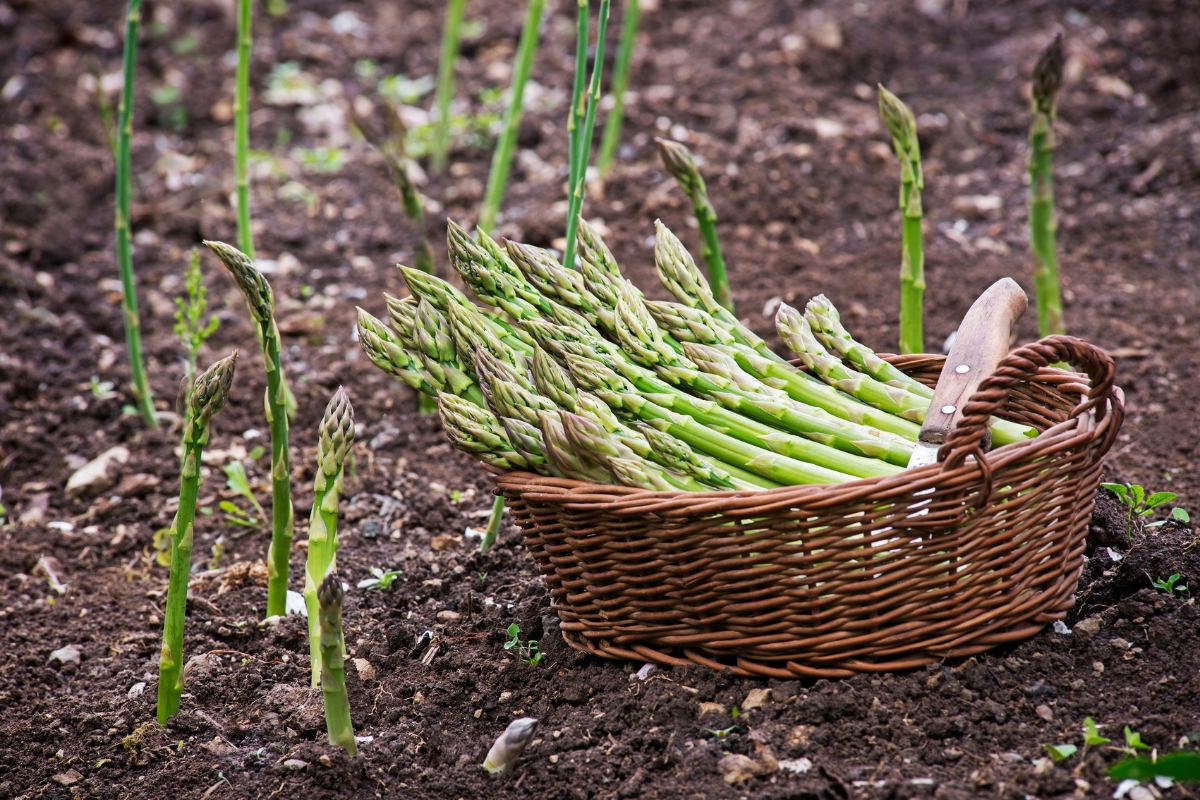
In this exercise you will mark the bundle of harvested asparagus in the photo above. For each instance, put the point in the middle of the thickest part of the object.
(575, 374)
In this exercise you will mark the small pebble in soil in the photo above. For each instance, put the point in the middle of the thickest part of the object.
(295, 764)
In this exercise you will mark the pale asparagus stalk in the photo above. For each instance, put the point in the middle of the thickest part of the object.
(333, 664)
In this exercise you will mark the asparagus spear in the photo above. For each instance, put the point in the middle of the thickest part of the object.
(679, 162)
(510, 744)
(387, 352)
(552, 279)
(209, 394)
(555, 382)
(261, 303)
(241, 124)
(336, 439)
(526, 439)
(444, 297)
(678, 273)
(492, 276)
(694, 325)
(795, 332)
(901, 124)
(403, 312)
(1047, 80)
(826, 325)
(445, 84)
(475, 430)
(437, 346)
(613, 389)
(506, 143)
(139, 385)
(626, 466)
(612, 124)
(581, 465)
(333, 664)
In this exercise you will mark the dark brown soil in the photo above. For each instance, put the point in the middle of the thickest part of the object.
(802, 212)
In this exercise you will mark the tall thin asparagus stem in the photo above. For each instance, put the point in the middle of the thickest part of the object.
(241, 122)
(445, 87)
(575, 200)
(575, 113)
(679, 162)
(612, 124)
(336, 439)
(502, 158)
(140, 387)
(333, 664)
(493, 526)
(261, 303)
(902, 126)
(1047, 80)
(209, 394)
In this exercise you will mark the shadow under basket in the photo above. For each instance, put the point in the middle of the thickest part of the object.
(876, 575)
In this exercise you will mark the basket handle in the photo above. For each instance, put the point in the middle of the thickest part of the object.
(1021, 365)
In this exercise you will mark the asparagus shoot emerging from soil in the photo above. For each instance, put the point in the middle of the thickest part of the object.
(209, 393)
(140, 387)
(679, 162)
(902, 126)
(612, 124)
(261, 302)
(584, 143)
(493, 527)
(502, 157)
(336, 439)
(1047, 80)
(333, 664)
(445, 85)
(189, 325)
(510, 744)
(241, 122)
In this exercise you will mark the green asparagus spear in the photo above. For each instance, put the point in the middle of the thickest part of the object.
(336, 439)
(388, 353)
(261, 303)
(584, 142)
(795, 332)
(506, 143)
(902, 126)
(612, 124)
(333, 664)
(476, 430)
(613, 389)
(625, 465)
(551, 279)
(826, 325)
(445, 84)
(139, 385)
(577, 464)
(403, 312)
(1047, 80)
(209, 393)
(678, 161)
(694, 325)
(241, 124)
(437, 346)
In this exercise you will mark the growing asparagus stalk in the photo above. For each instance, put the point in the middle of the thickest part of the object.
(678, 161)
(445, 87)
(333, 664)
(826, 325)
(612, 124)
(1047, 80)
(902, 126)
(575, 201)
(241, 123)
(209, 393)
(336, 439)
(796, 334)
(261, 303)
(139, 386)
(510, 744)
(492, 531)
(578, 109)
(502, 158)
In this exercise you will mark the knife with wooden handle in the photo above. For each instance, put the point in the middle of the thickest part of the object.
(979, 346)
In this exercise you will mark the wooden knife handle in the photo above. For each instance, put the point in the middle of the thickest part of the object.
(979, 346)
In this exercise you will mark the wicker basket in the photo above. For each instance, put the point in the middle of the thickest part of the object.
(825, 581)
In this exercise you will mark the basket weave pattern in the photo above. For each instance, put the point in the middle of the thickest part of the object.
(825, 581)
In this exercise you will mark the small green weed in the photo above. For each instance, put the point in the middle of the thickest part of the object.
(1170, 585)
(380, 579)
(1135, 499)
(528, 651)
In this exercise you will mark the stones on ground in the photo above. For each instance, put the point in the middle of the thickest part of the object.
(439, 543)
(67, 655)
(736, 767)
(755, 699)
(799, 736)
(35, 508)
(1089, 627)
(796, 765)
(706, 709)
(446, 615)
(366, 671)
(136, 690)
(1043, 711)
(824, 31)
(98, 474)
(68, 778)
(1098, 667)
(977, 206)
(138, 484)
(295, 764)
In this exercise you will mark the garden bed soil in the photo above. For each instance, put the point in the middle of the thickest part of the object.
(782, 113)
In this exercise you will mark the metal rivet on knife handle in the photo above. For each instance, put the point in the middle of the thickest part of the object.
(962, 369)
(947, 409)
